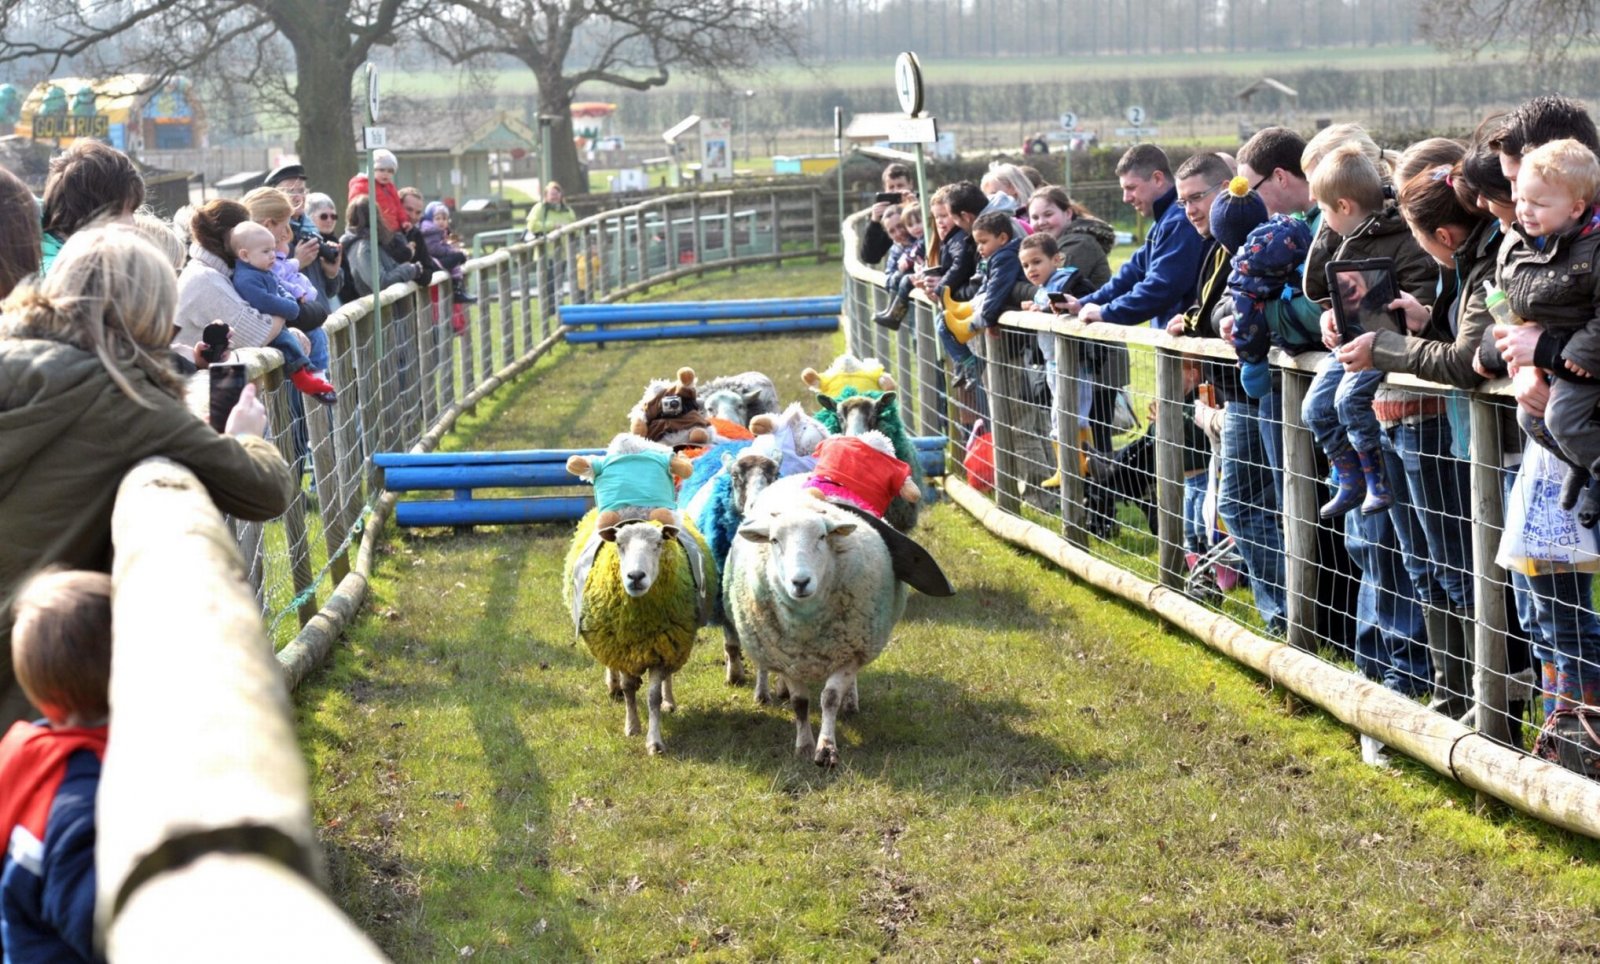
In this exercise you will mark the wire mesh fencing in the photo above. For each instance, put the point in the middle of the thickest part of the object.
(400, 369)
(1400, 529)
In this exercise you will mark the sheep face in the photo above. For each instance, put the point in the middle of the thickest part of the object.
(801, 546)
(639, 553)
(859, 413)
(748, 475)
(726, 404)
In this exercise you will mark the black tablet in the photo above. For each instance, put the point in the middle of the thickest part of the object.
(1362, 292)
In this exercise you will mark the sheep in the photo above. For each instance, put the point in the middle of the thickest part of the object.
(853, 413)
(811, 590)
(637, 603)
(732, 492)
(739, 398)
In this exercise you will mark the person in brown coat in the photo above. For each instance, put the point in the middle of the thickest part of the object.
(85, 394)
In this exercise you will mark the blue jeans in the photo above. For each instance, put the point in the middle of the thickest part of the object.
(1269, 409)
(319, 350)
(1248, 504)
(1391, 639)
(1338, 408)
(293, 358)
(1440, 487)
(1195, 536)
(1557, 613)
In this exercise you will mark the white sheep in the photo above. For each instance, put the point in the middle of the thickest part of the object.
(811, 589)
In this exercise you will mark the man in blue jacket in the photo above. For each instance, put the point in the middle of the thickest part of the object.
(1159, 280)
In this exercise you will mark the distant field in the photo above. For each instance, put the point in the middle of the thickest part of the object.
(848, 74)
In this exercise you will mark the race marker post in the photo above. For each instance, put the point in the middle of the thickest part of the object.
(374, 137)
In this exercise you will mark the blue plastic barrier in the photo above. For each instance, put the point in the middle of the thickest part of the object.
(930, 453)
(462, 472)
(660, 321)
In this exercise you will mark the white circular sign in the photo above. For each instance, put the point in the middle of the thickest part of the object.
(372, 91)
(1069, 121)
(908, 83)
(1136, 116)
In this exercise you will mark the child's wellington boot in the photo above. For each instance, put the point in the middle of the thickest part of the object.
(1054, 481)
(1351, 489)
(1379, 497)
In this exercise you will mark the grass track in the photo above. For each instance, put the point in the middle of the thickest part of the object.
(1037, 774)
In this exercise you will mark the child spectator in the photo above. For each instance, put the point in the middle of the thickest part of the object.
(994, 235)
(1546, 273)
(436, 234)
(391, 210)
(1268, 254)
(50, 770)
(256, 250)
(1044, 268)
(895, 281)
(1338, 408)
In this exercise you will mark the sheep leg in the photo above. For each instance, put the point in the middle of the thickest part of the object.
(630, 700)
(730, 647)
(659, 680)
(614, 684)
(852, 700)
(834, 694)
(763, 696)
(669, 703)
(804, 744)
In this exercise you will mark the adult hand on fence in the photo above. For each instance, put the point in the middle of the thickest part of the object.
(1176, 327)
(249, 416)
(1516, 343)
(1357, 355)
(1088, 314)
(1225, 327)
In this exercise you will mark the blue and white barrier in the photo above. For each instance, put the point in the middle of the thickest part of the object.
(658, 321)
(461, 472)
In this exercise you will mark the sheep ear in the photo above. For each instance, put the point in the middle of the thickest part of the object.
(669, 533)
(752, 398)
(840, 529)
(755, 532)
(827, 402)
(883, 403)
(608, 534)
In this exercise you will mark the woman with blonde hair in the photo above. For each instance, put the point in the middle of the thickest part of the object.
(86, 392)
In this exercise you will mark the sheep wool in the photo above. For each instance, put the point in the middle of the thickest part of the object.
(634, 636)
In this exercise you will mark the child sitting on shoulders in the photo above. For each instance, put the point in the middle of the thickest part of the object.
(50, 770)
(255, 253)
(1547, 273)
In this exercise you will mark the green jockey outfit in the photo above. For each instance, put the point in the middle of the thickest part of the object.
(639, 479)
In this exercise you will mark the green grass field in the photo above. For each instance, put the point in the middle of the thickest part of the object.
(1037, 773)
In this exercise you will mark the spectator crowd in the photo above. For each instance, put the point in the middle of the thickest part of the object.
(106, 308)
(1454, 261)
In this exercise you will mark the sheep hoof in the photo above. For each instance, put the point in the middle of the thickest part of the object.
(763, 698)
(630, 728)
(735, 672)
(657, 748)
(805, 751)
(616, 696)
(667, 706)
(827, 755)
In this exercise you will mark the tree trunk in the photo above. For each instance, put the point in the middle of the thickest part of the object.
(555, 100)
(324, 62)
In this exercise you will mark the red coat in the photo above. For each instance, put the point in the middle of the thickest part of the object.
(390, 208)
(849, 467)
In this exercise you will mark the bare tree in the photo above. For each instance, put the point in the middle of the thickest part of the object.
(242, 41)
(1551, 29)
(623, 43)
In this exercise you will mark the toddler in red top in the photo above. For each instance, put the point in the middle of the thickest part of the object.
(861, 470)
(50, 770)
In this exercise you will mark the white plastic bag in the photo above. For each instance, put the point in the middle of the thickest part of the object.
(1540, 537)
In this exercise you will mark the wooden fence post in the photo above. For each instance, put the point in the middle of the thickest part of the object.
(1489, 579)
(1300, 514)
(1169, 465)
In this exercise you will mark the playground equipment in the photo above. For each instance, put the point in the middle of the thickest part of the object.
(694, 319)
(461, 473)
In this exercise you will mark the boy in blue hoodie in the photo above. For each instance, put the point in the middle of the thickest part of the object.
(50, 770)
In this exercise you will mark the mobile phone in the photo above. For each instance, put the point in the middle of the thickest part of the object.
(1058, 301)
(933, 270)
(227, 383)
(890, 197)
(1362, 291)
(214, 341)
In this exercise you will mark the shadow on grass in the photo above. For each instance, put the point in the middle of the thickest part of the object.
(915, 732)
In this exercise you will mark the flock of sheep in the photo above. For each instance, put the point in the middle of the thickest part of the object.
(808, 588)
